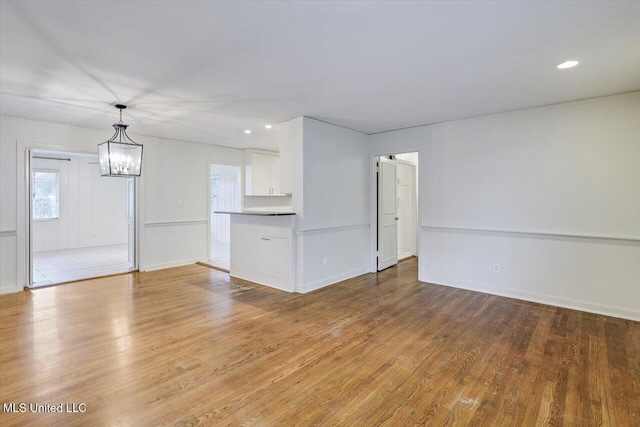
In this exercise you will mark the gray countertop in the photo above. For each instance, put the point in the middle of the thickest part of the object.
(260, 213)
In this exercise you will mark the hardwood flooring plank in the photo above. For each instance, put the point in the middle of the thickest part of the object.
(187, 346)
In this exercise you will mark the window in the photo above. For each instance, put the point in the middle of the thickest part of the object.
(46, 200)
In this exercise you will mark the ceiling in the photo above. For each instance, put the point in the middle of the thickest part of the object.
(205, 71)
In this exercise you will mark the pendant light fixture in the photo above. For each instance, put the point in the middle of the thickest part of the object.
(120, 155)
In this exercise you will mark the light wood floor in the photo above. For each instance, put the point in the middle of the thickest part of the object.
(185, 347)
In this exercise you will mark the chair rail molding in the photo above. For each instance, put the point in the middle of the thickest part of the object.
(327, 230)
(176, 223)
(584, 238)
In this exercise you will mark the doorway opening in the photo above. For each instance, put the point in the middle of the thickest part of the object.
(225, 195)
(80, 225)
(396, 177)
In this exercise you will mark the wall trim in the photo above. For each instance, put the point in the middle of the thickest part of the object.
(176, 223)
(259, 283)
(581, 238)
(507, 112)
(550, 300)
(332, 124)
(313, 231)
(10, 289)
(8, 233)
(322, 283)
(172, 264)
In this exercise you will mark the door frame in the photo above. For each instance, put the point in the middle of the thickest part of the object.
(209, 213)
(133, 245)
(373, 202)
(24, 244)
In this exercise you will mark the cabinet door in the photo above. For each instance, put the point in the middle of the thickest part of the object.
(275, 257)
(260, 174)
(275, 175)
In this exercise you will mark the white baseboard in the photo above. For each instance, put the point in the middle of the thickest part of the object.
(171, 264)
(551, 300)
(10, 288)
(309, 287)
(259, 282)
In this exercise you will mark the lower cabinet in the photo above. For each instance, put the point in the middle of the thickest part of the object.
(262, 250)
(274, 256)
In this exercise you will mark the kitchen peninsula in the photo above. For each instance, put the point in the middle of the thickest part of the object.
(262, 249)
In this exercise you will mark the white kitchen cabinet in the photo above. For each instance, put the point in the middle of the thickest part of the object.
(274, 254)
(262, 173)
(259, 183)
(262, 249)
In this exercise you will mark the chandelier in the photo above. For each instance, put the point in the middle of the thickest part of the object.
(120, 155)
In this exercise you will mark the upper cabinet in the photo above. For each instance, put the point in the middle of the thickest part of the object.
(261, 173)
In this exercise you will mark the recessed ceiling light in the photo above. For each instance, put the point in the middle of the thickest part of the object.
(247, 131)
(268, 126)
(568, 64)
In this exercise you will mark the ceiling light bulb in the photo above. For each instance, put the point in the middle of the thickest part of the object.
(268, 126)
(568, 64)
(247, 131)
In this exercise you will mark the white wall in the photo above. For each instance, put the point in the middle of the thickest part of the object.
(173, 192)
(333, 222)
(93, 209)
(551, 194)
(175, 198)
(336, 176)
(267, 202)
(513, 188)
(292, 161)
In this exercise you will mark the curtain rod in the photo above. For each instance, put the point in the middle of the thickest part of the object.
(52, 158)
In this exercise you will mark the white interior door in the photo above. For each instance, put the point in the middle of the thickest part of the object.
(407, 211)
(131, 222)
(387, 214)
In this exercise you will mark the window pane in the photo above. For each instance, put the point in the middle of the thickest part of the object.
(45, 195)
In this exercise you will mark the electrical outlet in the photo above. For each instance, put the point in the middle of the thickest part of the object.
(179, 203)
(496, 267)
(324, 262)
